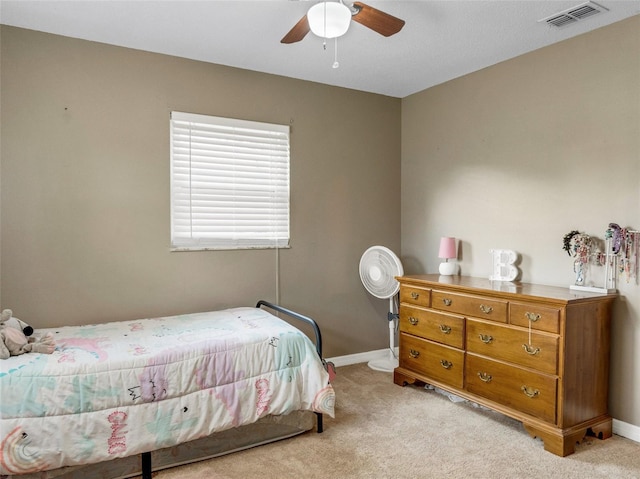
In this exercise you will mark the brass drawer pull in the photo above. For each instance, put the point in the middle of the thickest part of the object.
(413, 353)
(484, 377)
(532, 393)
(415, 295)
(486, 309)
(446, 301)
(413, 321)
(445, 329)
(530, 349)
(533, 317)
(446, 364)
(486, 338)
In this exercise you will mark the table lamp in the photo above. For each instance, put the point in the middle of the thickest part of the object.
(447, 252)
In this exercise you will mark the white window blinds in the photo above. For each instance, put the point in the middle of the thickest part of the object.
(229, 183)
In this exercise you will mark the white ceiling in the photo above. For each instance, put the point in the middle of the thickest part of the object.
(441, 40)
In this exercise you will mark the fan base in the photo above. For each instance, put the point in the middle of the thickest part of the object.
(386, 365)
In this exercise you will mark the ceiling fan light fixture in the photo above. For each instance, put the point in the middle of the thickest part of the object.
(329, 19)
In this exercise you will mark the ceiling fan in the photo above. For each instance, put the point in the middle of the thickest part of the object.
(327, 12)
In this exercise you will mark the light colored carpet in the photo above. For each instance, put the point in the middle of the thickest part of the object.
(385, 431)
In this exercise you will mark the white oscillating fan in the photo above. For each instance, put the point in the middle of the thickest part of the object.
(379, 267)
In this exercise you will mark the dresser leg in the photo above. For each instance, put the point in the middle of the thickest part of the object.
(562, 443)
(403, 380)
(555, 442)
(601, 430)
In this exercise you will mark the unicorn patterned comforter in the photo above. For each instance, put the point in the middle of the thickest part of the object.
(122, 388)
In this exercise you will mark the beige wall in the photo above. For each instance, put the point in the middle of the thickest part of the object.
(85, 190)
(517, 155)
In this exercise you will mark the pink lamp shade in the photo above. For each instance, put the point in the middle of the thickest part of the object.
(447, 248)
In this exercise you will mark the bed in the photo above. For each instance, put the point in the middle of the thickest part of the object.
(124, 398)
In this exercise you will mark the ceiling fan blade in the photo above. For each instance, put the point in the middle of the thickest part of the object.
(298, 32)
(376, 20)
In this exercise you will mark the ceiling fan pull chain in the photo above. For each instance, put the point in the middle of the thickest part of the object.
(335, 57)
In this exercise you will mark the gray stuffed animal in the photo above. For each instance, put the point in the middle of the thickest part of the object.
(14, 341)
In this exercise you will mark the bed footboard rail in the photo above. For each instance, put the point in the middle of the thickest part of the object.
(298, 316)
(318, 341)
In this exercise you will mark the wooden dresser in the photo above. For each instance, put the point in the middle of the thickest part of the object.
(539, 354)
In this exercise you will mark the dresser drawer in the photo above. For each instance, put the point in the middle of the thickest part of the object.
(468, 305)
(512, 345)
(436, 361)
(429, 324)
(543, 318)
(415, 295)
(527, 391)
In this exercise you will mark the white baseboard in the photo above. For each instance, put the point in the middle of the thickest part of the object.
(620, 428)
(360, 357)
(627, 430)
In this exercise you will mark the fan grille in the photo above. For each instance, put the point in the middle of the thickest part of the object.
(378, 268)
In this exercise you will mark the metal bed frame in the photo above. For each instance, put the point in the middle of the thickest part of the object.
(145, 457)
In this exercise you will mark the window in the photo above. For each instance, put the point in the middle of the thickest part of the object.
(229, 183)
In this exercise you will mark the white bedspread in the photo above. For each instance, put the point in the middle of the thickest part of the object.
(117, 389)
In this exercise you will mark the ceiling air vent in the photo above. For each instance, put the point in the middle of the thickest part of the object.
(574, 14)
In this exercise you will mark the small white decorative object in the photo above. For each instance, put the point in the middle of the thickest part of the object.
(503, 265)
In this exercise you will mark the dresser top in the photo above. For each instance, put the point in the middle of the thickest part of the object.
(504, 289)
